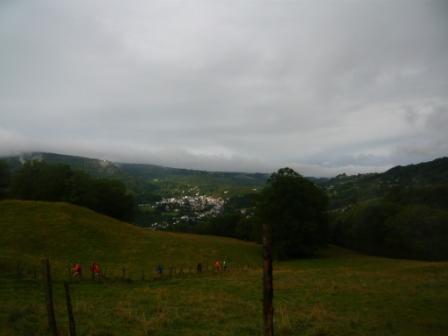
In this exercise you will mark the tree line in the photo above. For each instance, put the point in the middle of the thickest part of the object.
(406, 223)
(40, 181)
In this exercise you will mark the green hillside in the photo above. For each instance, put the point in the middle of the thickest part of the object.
(67, 233)
(402, 212)
(149, 181)
(344, 190)
(338, 293)
(95, 167)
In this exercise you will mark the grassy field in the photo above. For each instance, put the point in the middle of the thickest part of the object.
(338, 293)
(66, 233)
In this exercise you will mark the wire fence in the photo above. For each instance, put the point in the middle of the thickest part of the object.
(50, 276)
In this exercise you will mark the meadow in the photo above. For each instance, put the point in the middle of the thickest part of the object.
(337, 293)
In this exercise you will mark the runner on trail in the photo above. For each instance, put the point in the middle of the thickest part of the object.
(199, 268)
(76, 271)
(224, 265)
(96, 271)
(159, 269)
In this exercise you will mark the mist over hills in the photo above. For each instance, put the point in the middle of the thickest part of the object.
(147, 179)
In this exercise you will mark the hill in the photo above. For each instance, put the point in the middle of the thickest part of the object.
(164, 197)
(66, 233)
(402, 212)
(338, 293)
(149, 181)
(344, 190)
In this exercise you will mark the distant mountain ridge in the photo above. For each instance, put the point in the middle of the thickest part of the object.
(147, 179)
(94, 167)
(344, 190)
(104, 167)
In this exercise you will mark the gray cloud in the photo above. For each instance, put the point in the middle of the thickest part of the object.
(325, 87)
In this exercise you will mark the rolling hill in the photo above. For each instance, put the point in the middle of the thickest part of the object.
(339, 293)
(66, 233)
(148, 181)
(344, 190)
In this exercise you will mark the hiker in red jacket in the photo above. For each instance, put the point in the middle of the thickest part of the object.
(76, 271)
(217, 265)
(96, 271)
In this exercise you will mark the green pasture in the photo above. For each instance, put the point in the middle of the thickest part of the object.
(338, 293)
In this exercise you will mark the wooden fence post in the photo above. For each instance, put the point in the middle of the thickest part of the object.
(68, 302)
(268, 291)
(48, 290)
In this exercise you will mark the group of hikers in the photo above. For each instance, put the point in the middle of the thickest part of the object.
(95, 270)
(76, 269)
(219, 266)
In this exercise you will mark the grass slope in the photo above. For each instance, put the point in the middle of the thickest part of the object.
(66, 233)
(337, 294)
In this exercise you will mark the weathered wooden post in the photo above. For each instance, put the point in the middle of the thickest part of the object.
(68, 302)
(268, 291)
(48, 290)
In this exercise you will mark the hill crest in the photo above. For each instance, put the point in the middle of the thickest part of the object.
(67, 233)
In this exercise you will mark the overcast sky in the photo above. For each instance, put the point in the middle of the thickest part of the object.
(322, 86)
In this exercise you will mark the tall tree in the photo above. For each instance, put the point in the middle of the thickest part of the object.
(296, 210)
(292, 212)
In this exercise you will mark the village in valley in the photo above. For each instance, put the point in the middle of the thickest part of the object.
(183, 209)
